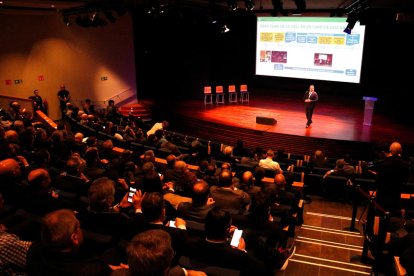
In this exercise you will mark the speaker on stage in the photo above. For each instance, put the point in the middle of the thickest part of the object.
(265, 121)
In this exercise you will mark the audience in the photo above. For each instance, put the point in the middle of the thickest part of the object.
(60, 250)
(64, 172)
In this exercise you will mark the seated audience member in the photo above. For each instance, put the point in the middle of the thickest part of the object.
(241, 150)
(11, 183)
(210, 176)
(318, 160)
(348, 168)
(72, 180)
(106, 151)
(88, 107)
(92, 170)
(262, 223)
(216, 250)
(151, 180)
(150, 254)
(168, 171)
(268, 162)
(247, 184)
(202, 169)
(13, 251)
(60, 250)
(41, 198)
(160, 125)
(80, 146)
(102, 215)
(183, 179)
(227, 196)
(342, 168)
(227, 155)
(259, 175)
(154, 211)
(201, 203)
(283, 203)
(264, 237)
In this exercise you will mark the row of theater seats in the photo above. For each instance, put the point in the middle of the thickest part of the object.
(232, 94)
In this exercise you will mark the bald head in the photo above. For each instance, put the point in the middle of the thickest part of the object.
(11, 136)
(280, 180)
(395, 148)
(10, 167)
(225, 178)
(180, 166)
(79, 137)
(247, 177)
(39, 178)
(201, 192)
(61, 230)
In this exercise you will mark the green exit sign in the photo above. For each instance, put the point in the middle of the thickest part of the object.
(104, 78)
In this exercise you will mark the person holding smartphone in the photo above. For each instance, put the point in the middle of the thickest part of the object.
(217, 249)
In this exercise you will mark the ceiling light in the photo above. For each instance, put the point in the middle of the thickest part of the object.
(225, 29)
(249, 4)
(67, 21)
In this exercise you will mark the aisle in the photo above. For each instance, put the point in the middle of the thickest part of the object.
(323, 247)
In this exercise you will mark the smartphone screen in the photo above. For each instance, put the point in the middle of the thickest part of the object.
(172, 223)
(131, 193)
(236, 237)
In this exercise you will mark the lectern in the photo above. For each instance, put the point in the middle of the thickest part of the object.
(369, 109)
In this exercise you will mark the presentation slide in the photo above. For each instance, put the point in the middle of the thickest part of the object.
(309, 48)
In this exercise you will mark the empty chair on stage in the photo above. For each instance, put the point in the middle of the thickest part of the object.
(232, 94)
(244, 94)
(208, 96)
(219, 94)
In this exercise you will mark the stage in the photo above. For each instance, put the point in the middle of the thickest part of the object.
(337, 122)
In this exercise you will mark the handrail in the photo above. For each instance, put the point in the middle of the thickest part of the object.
(123, 95)
(24, 103)
(46, 119)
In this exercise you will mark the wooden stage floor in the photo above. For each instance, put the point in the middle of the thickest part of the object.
(337, 124)
(339, 119)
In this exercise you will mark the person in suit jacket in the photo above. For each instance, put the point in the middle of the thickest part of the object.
(310, 98)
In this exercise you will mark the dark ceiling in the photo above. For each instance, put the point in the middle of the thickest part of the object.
(311, 5)
(376, 8)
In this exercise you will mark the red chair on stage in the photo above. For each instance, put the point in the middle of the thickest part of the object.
(232, 94)
(244, 94)
(208, 96)
(219, 94)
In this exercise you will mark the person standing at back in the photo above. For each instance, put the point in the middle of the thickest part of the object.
(393, 171)
(64, 97)
(310, 98)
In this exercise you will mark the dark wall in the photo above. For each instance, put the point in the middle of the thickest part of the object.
(180, 52)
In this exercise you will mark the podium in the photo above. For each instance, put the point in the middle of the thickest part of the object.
(369, 109)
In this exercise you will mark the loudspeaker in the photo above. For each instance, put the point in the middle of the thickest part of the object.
(265, 121)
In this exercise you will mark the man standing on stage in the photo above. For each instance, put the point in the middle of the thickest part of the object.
(310, 98)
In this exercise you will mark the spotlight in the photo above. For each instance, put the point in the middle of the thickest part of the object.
(232, 4)
(225, 29)
(92, 16)
(67, 21)
(249, 4)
